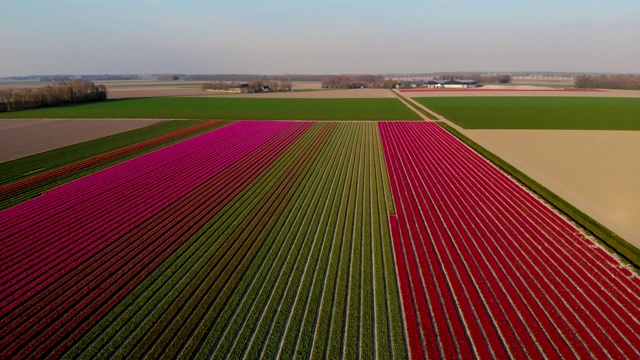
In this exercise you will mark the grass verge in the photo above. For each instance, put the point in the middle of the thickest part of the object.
(628, 252)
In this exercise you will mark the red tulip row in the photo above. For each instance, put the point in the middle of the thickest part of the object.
(84, 274)
(487, 270)
(48, 177)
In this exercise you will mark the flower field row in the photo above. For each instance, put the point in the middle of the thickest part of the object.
(310, 240)
(487, 270)
(254, 240)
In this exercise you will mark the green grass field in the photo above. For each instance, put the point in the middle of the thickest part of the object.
(228, 109)
(579, 113)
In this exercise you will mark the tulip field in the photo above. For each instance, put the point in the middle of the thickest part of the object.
(486, 270)
(306, 239)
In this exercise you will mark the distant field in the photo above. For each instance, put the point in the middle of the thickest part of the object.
(229, 109)
(575, 113)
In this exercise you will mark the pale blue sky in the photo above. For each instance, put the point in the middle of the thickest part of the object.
(322, 36)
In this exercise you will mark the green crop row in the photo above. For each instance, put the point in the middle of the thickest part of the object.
(226, 108)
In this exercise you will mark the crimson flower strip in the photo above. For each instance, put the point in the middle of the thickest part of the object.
(522, 281)
(50, 235)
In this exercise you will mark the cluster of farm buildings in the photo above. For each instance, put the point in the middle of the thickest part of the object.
(438, 84)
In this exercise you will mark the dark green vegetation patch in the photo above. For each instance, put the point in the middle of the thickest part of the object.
(229, 109)
(570, 113)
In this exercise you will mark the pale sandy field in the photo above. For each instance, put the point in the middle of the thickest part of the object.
(20, 138)
(596, 171)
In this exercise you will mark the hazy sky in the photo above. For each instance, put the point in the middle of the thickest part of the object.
(321, 36)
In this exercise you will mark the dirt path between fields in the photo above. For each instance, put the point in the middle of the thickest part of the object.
(20, 138)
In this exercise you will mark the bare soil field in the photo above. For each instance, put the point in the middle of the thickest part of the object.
(596, 171)
(20, 138)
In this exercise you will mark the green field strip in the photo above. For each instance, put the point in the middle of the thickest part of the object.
(300, 208)
(310, 205)
(122, 328)
(629, 253)
(551, 113)
(351, 336)
(264, 343)
(290, 309)
(367, 330)
(226, 108)
(55, 159)
(331, 330)
(257, 283)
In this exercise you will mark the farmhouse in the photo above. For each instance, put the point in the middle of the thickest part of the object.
(456, 84)
(438, 84)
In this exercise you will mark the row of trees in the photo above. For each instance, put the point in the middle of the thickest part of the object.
(624, 82)
(484, 79)
(73, 92)
(352, 81)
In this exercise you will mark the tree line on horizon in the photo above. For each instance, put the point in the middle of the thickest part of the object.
(357, 81)
(63, 93)
(603, 81)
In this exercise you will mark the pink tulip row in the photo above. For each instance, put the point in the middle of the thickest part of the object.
(46, 237)
(487, 270)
